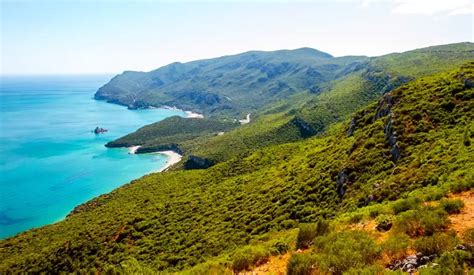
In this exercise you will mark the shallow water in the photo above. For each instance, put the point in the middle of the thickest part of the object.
(50, 161)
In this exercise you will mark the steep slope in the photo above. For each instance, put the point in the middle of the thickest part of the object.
(230, 85)
(381, 75)
(305, 114)
(168, 133)
(418, 135)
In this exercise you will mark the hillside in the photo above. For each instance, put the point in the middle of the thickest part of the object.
(415, 142)
(306, 114)
(166, 134)
(231, 85)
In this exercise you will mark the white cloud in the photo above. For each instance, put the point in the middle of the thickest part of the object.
(432, 7)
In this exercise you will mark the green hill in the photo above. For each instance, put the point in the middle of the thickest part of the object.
(230, 85)
(166, 134)
(304, 114)
(416, 138)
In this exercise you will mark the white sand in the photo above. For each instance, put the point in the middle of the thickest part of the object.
(172, 157)
(193, 115)
(189, 114)
(132, 150)
(245, 120)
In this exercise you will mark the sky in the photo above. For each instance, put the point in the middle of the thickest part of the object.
(86, 37)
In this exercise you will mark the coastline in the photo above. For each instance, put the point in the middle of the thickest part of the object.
(189, 114)
(172, 157)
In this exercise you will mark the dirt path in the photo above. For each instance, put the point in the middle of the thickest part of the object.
(276, 265)
(464, 220)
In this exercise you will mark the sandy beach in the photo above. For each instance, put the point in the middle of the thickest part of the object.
(132, 150)
(172, 157)
(189, 114)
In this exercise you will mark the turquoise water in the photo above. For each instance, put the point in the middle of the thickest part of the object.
(50, 161)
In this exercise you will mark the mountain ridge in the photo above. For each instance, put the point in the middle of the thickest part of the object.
(281, 122)
(173, 221)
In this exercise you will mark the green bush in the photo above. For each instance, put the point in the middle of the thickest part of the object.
(421, 222)
(367, 270)
(279, 248)
(249, 256)
(301, 264)
(374, 212)
(403, 205)
(356, 218)
(339, 251)
(452, 206)
(288, 224)
(309, 231)
(468, 239)
(436, 244)
(461, 186)
(396, 247)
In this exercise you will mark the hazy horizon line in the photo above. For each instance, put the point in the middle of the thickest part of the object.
(213, 57)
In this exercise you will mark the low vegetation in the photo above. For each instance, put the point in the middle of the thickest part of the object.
(397, 157)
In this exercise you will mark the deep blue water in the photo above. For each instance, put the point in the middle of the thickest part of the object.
(50, 161)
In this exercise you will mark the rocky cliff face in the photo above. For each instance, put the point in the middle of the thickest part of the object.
(195, 162)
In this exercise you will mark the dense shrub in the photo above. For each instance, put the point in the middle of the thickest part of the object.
(249, 256)
(339, 251)
(452, 206)
(374, 212)
(309, 231)
(279, 248)
(462, 185)
(301, 264)
(192, 216)
(436, 244)
(366, 270)
(356, 218)
(403, 205)
(396, 247)
(421, 222)
(468, 239)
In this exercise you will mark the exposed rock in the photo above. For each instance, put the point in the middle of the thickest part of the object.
(341, 183)
(395, 151)
(384, 107)
(411, 263)
(384, 226)
(315, 90)
(352, 127)
(195, 162)
(391, 138)
(99, 130)
(352, 149)
(468, 83)
(306, 130)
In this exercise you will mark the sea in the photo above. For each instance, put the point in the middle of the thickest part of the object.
(50, 159)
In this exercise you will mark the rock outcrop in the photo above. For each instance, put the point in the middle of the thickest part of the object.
(341, 182)
(306, 130)
(99, 130)
(195, 162)
(391, 138)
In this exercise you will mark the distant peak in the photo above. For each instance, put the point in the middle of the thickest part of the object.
(308, 50)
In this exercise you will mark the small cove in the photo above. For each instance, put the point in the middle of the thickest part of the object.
(50, 161)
